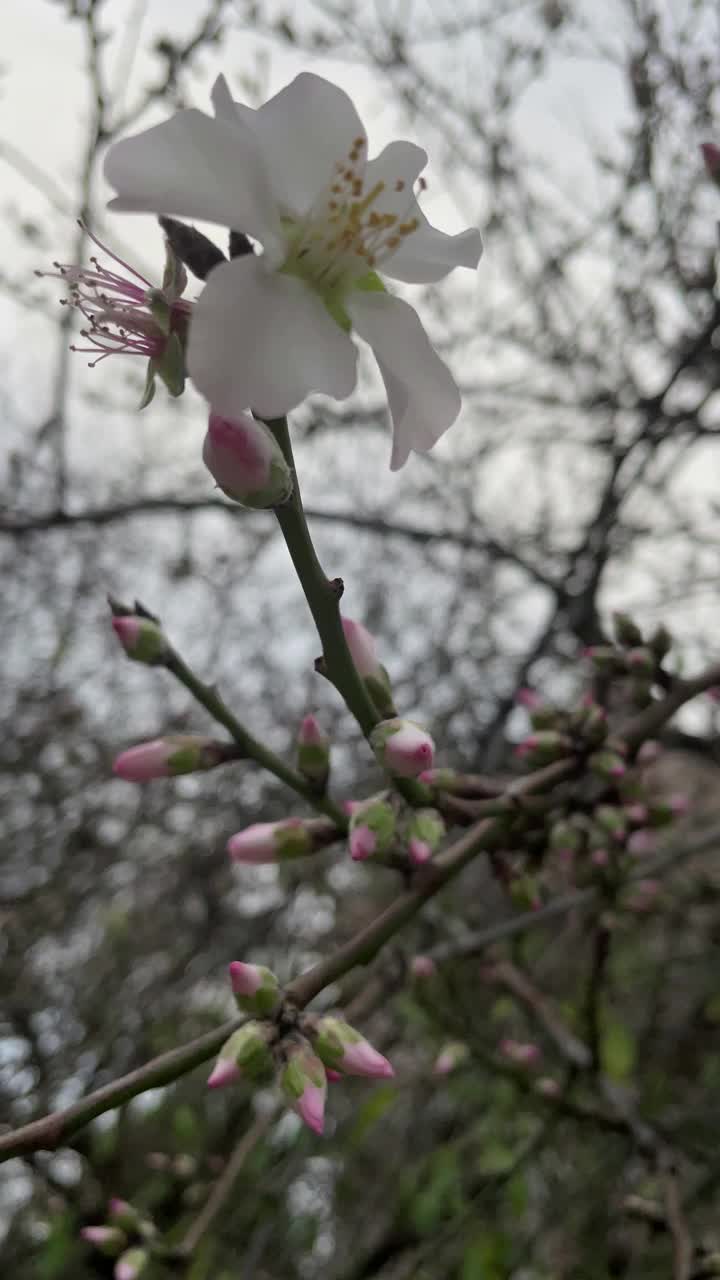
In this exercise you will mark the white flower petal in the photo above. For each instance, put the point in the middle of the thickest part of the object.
(265, 341)
(193, 166)
(427, 255)
(424, 399)
(398, 163)
(304, 132)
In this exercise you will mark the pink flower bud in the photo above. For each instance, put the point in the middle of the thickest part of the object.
(313, 752)
(131, 1265)
(110, 1240)
(304, 1084)
(256, 989)
(364, 654)
(244, 458)
(419, 851)
(449, 1058)
(649, 752)
(599, 857)
(679, 804)
(637, 813)
(641, 842)
(271, 841)
(363, 843)
(342, 1048)
(123, 1214)
(224, 1072)
(372, 826)
(333, 1077)
(362, 647)
(422, 967)
(246, 1053)
(403, 747)
(168, 757)
(141, 638)
(519, 1053)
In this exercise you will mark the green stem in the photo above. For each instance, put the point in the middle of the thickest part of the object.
(208, 697)
(322, 595)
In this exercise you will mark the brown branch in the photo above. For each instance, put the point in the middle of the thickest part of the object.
(52, 1130)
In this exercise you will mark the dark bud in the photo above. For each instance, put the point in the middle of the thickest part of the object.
(239, 245)
(194, 250)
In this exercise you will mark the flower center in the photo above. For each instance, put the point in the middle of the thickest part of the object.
(346, 235)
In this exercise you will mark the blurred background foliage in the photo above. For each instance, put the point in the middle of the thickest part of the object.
(582, 476)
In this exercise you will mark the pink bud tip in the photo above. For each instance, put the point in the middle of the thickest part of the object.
(362, 647)
(679, 804)
(649, 752)
(409, 751)
(333, 1076)
(256, 844)
(126, 629)
(98, 1235)
(422, 967)
(360, 1059)
(419, 851)
(310, 1106)
(145, 762)
(224, 1072)
(311, 734)
(245, 979)
(523, 1055)
(118, 1208)
(349, 806)
(599, 857)
(363, 843)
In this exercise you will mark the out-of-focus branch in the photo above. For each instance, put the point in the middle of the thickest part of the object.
(53, 1130)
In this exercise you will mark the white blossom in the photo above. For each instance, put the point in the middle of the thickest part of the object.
(274, 326)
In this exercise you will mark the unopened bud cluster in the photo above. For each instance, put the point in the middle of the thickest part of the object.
(634, 657)
(127, 1236)
(302, 1053)
(622, 827)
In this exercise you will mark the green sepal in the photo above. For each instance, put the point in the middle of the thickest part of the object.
(171, 365)
(370, 283)
(149, 388)
(160, 310)
(174, 281)
(293, 841)
(249, 1050)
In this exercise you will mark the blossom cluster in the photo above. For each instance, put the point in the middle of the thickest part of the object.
(304, 1052)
